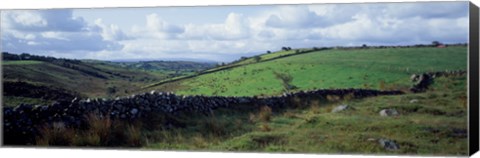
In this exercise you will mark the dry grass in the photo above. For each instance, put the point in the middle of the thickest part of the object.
(315, 106)
(252, 118)
(56, 134)
(265, 114)
(290, 114)
(333, 98)
(349, 96)
(265, 127)
(100, 132)
(382, 85)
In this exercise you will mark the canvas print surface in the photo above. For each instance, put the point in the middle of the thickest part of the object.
(371, 78)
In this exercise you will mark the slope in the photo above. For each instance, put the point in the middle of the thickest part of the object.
(382, 68)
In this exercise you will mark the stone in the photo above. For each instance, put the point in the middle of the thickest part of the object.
(341, 108)
(413, 101)
(388, 144)
(414, 77)
(134, 111)
(388, 112)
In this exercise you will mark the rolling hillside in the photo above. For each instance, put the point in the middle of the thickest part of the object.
(382, 68)
(84, 78)
(433, 122)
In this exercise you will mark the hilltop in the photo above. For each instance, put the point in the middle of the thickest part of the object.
(318, 68)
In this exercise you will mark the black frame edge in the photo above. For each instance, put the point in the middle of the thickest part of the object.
(473, 108)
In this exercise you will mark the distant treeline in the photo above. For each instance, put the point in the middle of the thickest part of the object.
(26, 56)
(67, 63)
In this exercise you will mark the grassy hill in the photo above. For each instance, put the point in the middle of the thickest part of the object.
(386, 68)
(434, 125)
(429, 123)
(85, 78)
(170, 68)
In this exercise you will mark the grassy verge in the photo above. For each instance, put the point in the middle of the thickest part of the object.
(433, 125)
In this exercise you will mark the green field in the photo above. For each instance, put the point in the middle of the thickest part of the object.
(23, 62)
(435, 125)
(359, 68)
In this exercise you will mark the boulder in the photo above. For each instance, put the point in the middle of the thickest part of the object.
(341, 108)
(134, 111)
(413, 101)
(414, 77)
(388, 144)
(388, 112)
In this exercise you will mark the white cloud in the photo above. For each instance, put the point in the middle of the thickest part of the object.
(235, 27)
(238, 33)
(111, 32)
(156, 28)
(54, 35)
(50, 31)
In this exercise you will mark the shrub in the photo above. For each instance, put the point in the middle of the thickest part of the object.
(286, 80)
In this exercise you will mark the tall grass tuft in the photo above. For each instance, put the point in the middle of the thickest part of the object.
(133, 134)
(56, 134)
(265, 127)
(214, 127)
(349, 96)
(265, 114)
(101, 131)
(333, 98)
(315, 106)
(382, 85)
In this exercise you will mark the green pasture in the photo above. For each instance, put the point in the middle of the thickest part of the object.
(388, 68)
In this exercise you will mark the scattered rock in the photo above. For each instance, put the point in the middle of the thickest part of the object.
(371, 139)
(134, 111)
(414, 77)
(388, 112)
(388, 144)
(341, 108)
(458, 133)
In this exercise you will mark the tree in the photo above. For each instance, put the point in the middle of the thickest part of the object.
(286, 81)
(286, 48)
(268, 52)
(436, 43)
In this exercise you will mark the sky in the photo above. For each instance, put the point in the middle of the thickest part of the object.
(226, 33)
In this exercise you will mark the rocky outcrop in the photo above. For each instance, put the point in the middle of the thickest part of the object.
(423, 81)
(388, 112)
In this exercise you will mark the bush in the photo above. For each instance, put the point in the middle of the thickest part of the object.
(286, 81)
